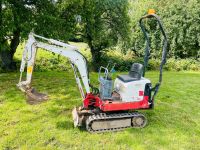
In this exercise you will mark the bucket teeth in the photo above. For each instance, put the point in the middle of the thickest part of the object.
(34, 97)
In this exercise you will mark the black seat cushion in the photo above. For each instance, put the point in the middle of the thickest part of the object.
(127, 78)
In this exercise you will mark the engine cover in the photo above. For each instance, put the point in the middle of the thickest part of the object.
(131, 91)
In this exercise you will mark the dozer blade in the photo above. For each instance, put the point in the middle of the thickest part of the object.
(79, 116)
(76, 117)
(34, 97)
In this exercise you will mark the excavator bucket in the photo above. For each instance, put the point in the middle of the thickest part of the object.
(34, 97)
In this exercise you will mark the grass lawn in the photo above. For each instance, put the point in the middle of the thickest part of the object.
(173, 124)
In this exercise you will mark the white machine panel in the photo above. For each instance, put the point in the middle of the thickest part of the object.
(131, 91)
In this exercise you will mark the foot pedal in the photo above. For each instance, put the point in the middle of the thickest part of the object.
(34, 97)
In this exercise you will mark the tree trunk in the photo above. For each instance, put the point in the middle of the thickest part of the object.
(7, 52)
(96, 53)
(96, 58)
(6, 55)
(14, 42)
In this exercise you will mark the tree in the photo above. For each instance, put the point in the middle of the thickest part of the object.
(15, 15)
(181, 22)
(105, 24)
(19, 17)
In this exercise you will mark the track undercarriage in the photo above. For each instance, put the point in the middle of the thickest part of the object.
(99, 122)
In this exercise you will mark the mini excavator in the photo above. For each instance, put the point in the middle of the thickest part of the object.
(114, 105)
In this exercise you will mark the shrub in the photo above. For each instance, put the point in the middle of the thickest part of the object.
(182, 64)
(181, 22)
(123, 62)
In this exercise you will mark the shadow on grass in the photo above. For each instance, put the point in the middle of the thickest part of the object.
(66, 125)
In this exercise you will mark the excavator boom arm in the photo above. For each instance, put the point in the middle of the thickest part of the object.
(76, 58)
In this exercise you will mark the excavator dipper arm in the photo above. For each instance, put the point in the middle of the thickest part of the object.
(78, 61)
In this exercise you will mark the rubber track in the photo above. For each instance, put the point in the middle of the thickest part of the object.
(104, 116)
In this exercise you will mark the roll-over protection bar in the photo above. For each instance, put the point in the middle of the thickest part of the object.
(147, 49)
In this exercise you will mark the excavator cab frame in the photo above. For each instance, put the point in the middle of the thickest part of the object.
(147, 49)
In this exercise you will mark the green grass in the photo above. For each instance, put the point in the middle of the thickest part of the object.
(173, 124)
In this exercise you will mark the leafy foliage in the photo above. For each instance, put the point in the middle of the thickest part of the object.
(19, 17)
(181, 21)
(47, 61)
(105, 24)
(102, 24)
(42, 16)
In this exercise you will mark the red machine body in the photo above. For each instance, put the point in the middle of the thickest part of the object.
(108, 105)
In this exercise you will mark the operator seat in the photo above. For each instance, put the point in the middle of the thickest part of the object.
(135, 73)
